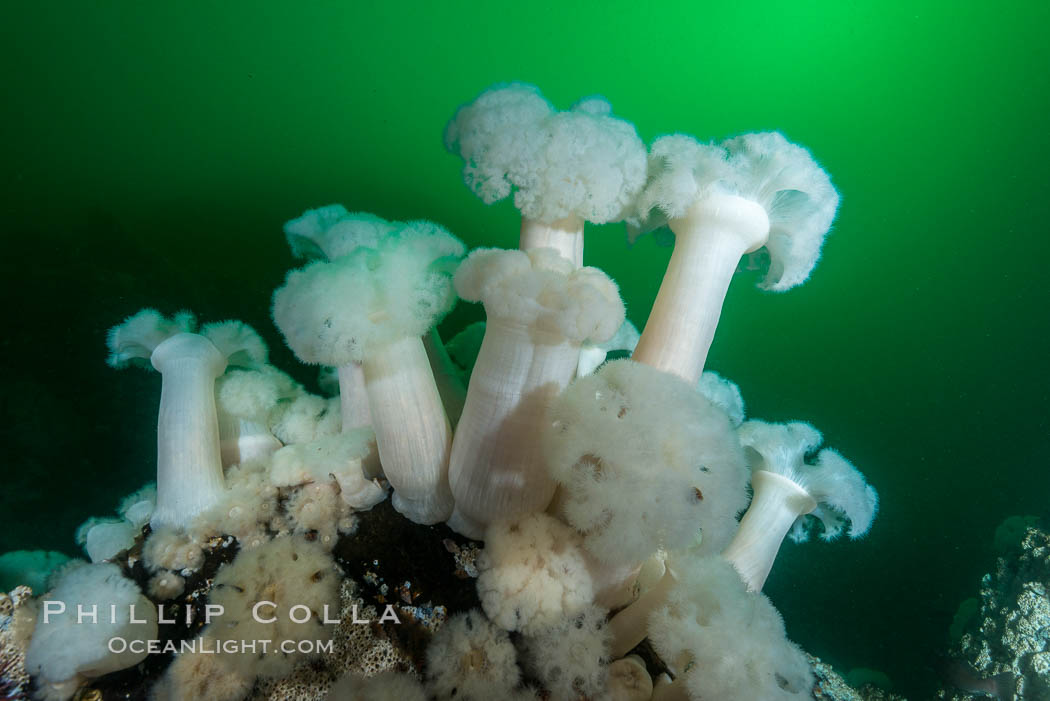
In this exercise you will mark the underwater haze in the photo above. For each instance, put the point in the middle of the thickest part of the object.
(152, 151)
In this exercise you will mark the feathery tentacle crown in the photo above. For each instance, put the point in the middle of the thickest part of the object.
(583, 162)
(542, 290)
(840, 490)
(765, 168)
(400, 286)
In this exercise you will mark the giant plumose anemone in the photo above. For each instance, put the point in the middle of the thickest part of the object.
(610, 495)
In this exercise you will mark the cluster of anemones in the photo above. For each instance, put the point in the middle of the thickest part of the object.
(615, 490)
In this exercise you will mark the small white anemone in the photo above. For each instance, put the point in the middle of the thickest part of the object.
(105, 538)
(340, 459)
(65, 651)
(725, 642)
(572, 658)
(471, 659)
(306, 418)
(592, 355)
(136, 508)
(788, 490)
(533, 574)
(166, 585)
(246, 508)
(169, 549)
(316, 510)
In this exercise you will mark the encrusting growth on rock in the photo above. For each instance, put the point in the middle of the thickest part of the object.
(385, 686)
(264, 593)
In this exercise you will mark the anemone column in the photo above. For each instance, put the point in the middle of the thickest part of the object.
(353, 402)
(709, 242)
(777, 504)
(497, 468)
(189, 459)
(541, 308)
(565, 236)
(412, 431)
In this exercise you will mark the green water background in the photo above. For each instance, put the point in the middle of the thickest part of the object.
(151, 152)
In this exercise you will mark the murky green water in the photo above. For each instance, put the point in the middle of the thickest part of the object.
(151, 152)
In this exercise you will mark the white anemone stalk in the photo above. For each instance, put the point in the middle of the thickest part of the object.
(448, 377)
(242, 440)
(709, 242)
(776, 504)
(629, 626)
(189, 457)
(189, 461)
(353, 401)
(564, 235)
(629, 680)
(540, 310)
(402, 393)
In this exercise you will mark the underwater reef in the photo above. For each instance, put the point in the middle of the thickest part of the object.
(1001, 638)
(552, 504)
